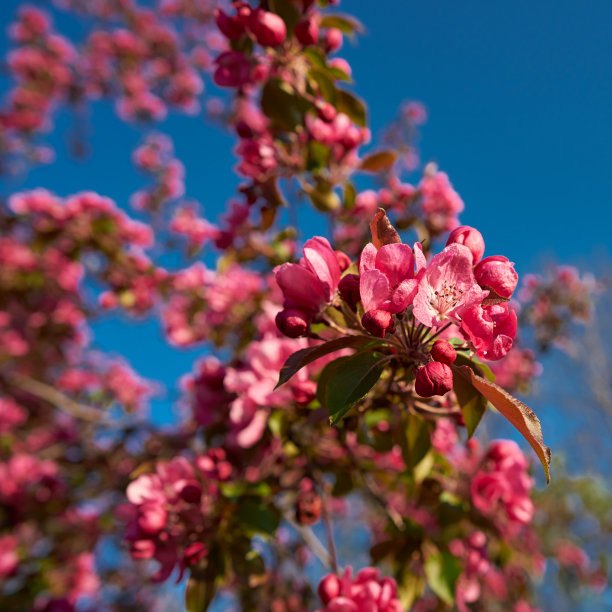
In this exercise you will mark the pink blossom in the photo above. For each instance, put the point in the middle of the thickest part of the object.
(491, 329)
(440, 202)
(233, 69)
(367, 592)
(498, 274)
(9, 559)
(471, 238)
(448, 287)
(388, 280)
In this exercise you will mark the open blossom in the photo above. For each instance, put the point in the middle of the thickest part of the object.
(448, 287)
(366, 592)
(388, 280)
(491, 329)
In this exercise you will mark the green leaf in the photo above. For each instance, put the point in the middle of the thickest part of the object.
(383, 160)
(199, 594)
(345, 381)
(350, 195)
(416, 440)
(318, 155)
(442, 571)
(520, 415)
(352, 106)
(282, 105)
(258, 515)
(471, 401)
(303, 357)
(345, 23)
(325, 85)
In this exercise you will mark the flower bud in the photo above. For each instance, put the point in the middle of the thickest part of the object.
(307, 31)
(332, 39)
(142, 549)
(344, 261)
(329, 588)
(348, 288)
(268, 28)
(308, 508)
(443, 352)
(497, 273)
(433, 379)
(230, 27)
(470, 238)
(326, 111)
(233, 69)
(377, 322)
(292, 322)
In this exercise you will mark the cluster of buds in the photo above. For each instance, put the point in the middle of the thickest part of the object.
(366, 592)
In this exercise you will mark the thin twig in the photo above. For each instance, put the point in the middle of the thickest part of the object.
(56, 398)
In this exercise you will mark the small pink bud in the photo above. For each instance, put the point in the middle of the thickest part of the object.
(433, 379)
(332, 39)
(307, 31)
(377, 322)
(268, 28)
(469, 237)
(344, 261)
(191, 492)
(326, 111)
(497, 273)
(329, 588)
(292, 322)
(230, 27)
(348, 288)
(443, 352)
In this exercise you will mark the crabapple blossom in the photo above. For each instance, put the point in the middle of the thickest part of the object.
(434, 378)
(469, 237)
(498, 274)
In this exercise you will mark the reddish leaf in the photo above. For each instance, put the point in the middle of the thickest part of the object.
(520, 415)
(382, 230)
(383, 160)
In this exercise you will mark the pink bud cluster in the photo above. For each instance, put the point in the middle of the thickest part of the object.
(501, 486)
(205, 304)
(173, 511)
(366, 592)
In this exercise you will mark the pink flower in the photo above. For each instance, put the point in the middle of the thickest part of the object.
(388, 280)
(448, 287)
(367, 592)
(311, 284)
(441, 203)
(9, 560)
(491, 329)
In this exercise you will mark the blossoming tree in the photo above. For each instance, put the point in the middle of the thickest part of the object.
(340, 384)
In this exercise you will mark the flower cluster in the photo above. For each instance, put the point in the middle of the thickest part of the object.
(367, 591)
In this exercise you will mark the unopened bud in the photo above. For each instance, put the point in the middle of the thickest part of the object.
(332, 39)
(470, 238)
(230, 27)
(344, 261)
(498, 274)
(435, 378)
(292, 322)
(329, 588)
(307, 31)
(377, 322)
(443, 352)
(268, 28)
(348, 288)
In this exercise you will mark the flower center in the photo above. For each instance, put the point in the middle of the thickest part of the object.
(446, 298)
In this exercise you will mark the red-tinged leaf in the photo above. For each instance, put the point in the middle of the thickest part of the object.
(382, 230)
(303, 357)
(383, 160)
(520, 415)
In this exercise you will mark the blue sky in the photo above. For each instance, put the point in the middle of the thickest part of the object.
(518, 95)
